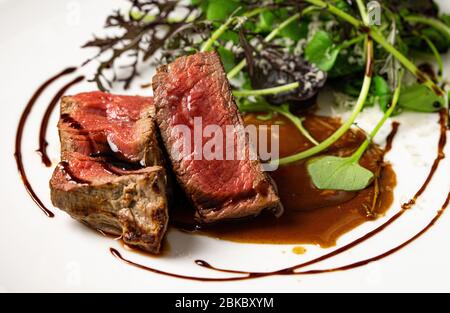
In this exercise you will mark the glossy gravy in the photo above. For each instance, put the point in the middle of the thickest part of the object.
(311, 216)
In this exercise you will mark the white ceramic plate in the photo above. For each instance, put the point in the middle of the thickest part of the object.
(37, 40)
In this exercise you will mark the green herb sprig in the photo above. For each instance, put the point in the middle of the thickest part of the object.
(345, 173)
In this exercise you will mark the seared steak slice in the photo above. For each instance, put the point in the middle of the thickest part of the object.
(132, 205)
(197, 86)
(98, 122)
(111, 175)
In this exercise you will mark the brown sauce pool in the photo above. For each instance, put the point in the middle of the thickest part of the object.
(311, 216)
(381, 193)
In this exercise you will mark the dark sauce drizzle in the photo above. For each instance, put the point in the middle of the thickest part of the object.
(19, 135)
(440, 156)
(45, 119)
(293, 270)
(247, 275)
(290, 270)
(391, 136)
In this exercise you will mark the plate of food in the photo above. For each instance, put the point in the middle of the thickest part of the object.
(199, 146)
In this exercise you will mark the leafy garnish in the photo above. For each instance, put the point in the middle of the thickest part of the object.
(272, 67)
(419, 98)
(137, 39)
(379, 38)
(259, 105)
(283, 51)
(228, 58)
(381, 92)
(346, 125)
(331, 172)
(220, 10)
(322, 51)
(345, 173)
(326, 33)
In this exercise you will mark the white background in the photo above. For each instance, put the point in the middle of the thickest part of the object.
(37, 40)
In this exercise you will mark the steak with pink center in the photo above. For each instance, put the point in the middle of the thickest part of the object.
(196, 87)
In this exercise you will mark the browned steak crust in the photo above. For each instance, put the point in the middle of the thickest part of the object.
(121, 193)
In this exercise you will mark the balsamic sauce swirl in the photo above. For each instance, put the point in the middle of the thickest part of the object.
(244, 275)
(19, 135)
(45, 119)
(290, 270)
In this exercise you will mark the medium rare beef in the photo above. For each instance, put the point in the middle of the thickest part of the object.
(193, 87)
(111, 173)
(98, 122)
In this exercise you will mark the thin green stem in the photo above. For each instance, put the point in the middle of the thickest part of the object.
(437, 56)
(365, 18)
(346, 126)
(379, 38)
(280, 27)
(363, 12)
(238, 68)
(284, 110)
(358, 153)
(267, 91)
(309, 9)
(435, 23)
(405, 61)
(341, 130)
(337, 134)
(149, 18)
(207, 46)
(255, 12)
(334, 10)
(351, 42)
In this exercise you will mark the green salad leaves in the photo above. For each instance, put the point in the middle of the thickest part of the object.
(280, 53)
(322, 51)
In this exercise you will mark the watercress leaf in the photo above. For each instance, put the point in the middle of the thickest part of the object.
(382, 92)
(220, 10)
(293, 31)
(336, 173)
(227, 57)
(418, 97)
(266, 21)
(321, 51)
